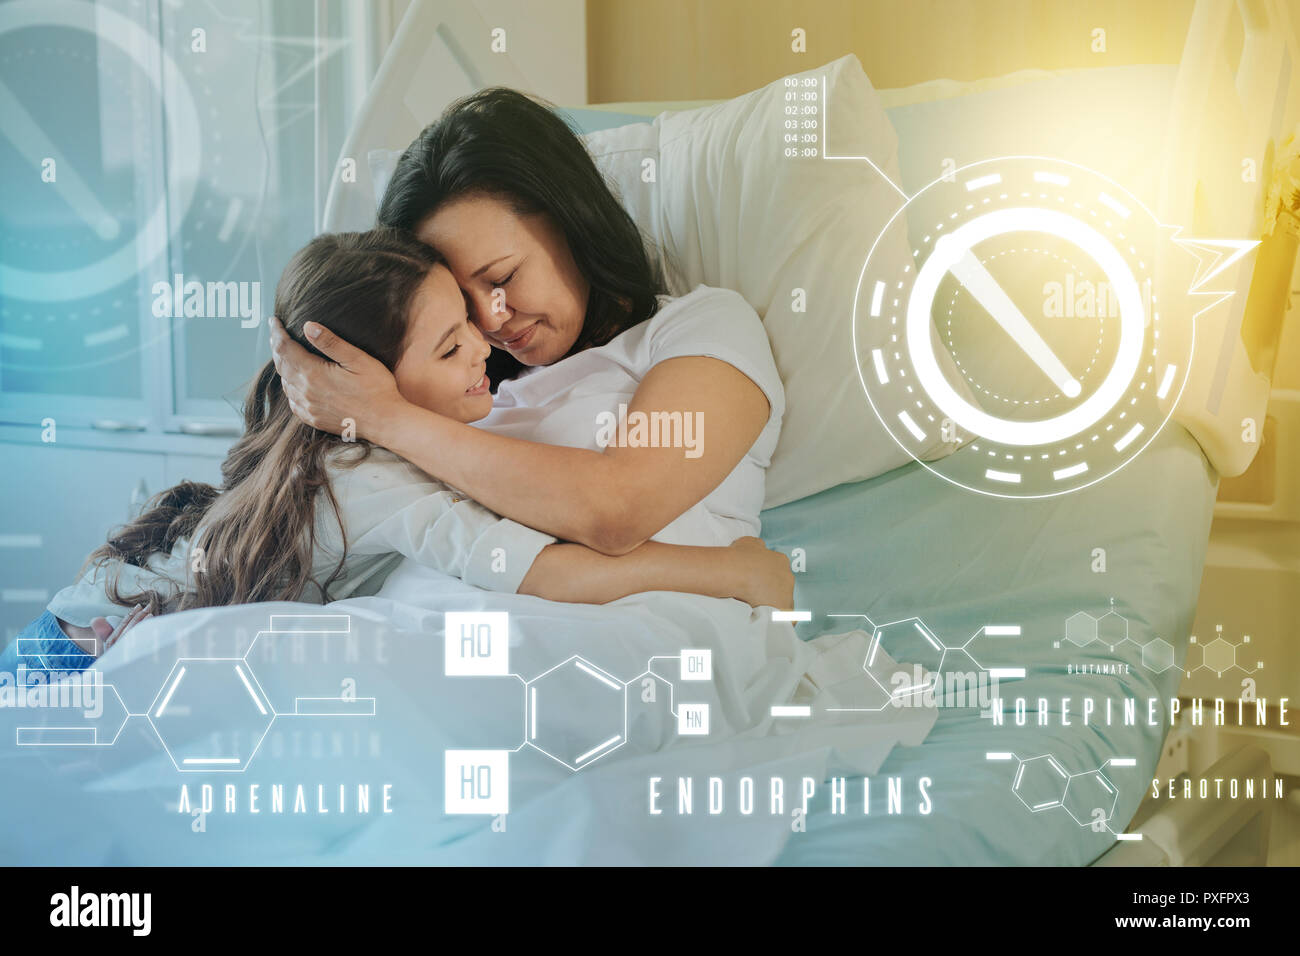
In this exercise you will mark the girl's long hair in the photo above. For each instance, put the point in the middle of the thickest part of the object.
(253, 539)
(501, 143)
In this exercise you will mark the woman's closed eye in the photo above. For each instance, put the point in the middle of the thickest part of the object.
(502, 282)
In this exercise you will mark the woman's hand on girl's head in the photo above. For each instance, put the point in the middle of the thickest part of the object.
(354, 388)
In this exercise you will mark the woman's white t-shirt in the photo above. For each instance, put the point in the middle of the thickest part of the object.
(570, 402)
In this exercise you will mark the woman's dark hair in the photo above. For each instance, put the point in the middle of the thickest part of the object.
(501, 143)
(258, 531)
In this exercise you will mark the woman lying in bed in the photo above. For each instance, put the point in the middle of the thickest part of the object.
(306, 515)
(558, 280)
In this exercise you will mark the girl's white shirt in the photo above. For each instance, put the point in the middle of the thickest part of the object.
(389, 510)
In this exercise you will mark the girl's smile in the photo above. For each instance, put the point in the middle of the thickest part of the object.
(444, 359)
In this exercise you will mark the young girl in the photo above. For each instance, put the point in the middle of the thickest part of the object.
(306, 515)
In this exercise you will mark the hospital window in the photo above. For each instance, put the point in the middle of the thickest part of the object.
(179, 154)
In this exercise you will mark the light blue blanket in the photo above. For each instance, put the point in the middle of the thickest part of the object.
(908, 544)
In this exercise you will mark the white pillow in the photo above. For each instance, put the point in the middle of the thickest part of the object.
(726, 207)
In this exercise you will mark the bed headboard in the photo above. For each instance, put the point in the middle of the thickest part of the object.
(437, 55)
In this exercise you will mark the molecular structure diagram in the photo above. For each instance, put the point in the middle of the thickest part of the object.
(1111, 629)
(926, 650)
(477, 644)
(1221, 656)
(199, 695)
(1042, 784)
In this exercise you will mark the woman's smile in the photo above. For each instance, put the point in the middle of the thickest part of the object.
(518, 341)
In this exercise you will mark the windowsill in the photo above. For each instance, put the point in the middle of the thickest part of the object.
(146, 441)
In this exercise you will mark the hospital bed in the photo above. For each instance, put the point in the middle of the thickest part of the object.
(1016, 560)
(904, 544)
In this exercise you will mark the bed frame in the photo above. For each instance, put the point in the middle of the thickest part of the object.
(1237, 340)
(1230, 382)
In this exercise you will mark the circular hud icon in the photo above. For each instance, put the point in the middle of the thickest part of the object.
(1022, 323)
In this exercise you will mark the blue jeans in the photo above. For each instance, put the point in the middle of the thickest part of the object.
(42, 647)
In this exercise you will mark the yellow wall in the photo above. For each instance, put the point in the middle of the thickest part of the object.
(712, 49)
(673, 50)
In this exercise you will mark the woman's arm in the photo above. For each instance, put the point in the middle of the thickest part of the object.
(612, 501)
(745, 570)
(388, 507)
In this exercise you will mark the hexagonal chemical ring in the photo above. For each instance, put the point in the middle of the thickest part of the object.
(917, 651)
(1088, 793)
(576, 713)
(1158, 655)
(202, 699)
(1040, 783)
(1112, 628)
(874, 696)
(1219, 655)
(1081, 628)
(959, 680)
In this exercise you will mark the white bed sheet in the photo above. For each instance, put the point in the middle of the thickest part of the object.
(118, 804)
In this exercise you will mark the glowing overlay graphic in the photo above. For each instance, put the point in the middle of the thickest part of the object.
(1221, 655)
(1111, 629)
(1027, 323)
(147, 241)
(477, 644)
(576, 713)
(165, 198)
(200, 697)
(929, 658)
(1042, 784)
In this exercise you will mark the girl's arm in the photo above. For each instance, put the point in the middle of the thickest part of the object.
(101, 635)
(388, 507)
(611, 501)
(745, 570)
